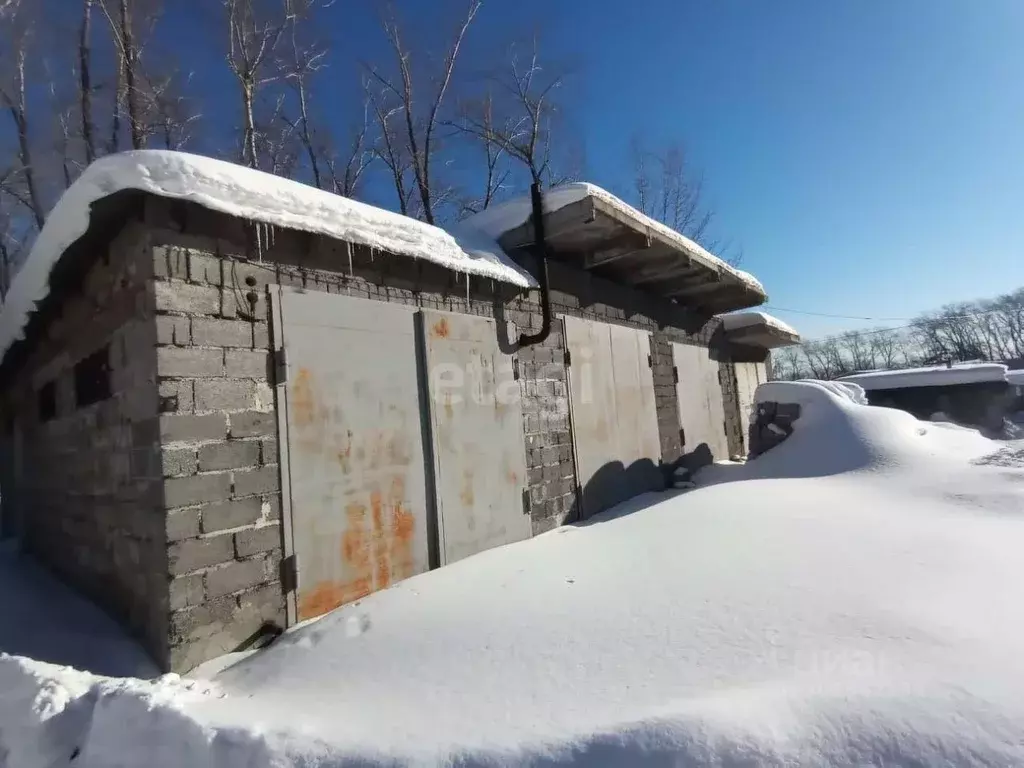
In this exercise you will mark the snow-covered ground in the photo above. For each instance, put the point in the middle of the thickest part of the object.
(854, 596)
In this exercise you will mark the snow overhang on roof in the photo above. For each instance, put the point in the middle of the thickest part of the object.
(758, 329)
(248, 194)
(932, 376)
(592, 228)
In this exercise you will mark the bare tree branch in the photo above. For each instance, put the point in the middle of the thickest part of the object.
(418, 132)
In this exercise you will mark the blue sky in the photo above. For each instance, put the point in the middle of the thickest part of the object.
(868, 155)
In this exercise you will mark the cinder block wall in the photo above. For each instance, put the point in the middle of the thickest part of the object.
(174, 524)
(91, 496)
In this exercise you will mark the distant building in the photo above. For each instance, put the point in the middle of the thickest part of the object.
(973, 394)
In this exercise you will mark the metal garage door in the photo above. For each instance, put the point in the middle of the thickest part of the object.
(748, 376)
(699, 392)
(476, 436)
(354, 460)
(614, 419)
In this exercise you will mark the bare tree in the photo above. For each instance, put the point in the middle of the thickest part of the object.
(25, 185)
(667, 190)
(528, 109)
(858, 349)
(824, 358)
(390, 148)
(885, 347)
(253, 36)
(170, 114)
(85, 81)
(346, 171)
(123, 20)
(304, 58)
(413, 144)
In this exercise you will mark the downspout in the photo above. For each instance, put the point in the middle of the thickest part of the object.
(541, 247)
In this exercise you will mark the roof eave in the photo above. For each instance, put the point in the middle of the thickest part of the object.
(605, 240)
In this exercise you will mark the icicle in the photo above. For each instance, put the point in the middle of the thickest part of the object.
(259, 241)
(467, 290)
(349, 259)
(272, 232)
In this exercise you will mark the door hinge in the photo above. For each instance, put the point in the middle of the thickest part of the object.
(526, 501)
(675, 374)
(682, 436)
(650, 361)
(289, 574)
(281, 366)
(515, 369)
(568, 357)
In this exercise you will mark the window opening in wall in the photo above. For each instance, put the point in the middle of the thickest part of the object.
(47, 401)
(92, 378)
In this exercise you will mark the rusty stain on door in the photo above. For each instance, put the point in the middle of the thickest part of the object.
(355, 447)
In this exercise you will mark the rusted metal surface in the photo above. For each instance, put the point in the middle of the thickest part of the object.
(355, 448)
(477, 436)
(748, 376)
(614, 418)
(699, 393)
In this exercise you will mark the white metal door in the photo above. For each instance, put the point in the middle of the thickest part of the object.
(476, 436)
(748, 376)
(614, 418)
(699, 393)
(354, 447)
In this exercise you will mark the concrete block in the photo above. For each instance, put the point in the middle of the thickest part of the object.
(211, 332)
(186, 298)
(178, 461)
(172, 329)
(182, 524)
(261, 480)
(204, 268)
(178, 361)
(252, 424)
(261, 336)
(224, 394)
(186, 591)
(255, 540)
(272, 507)
(196, 489)
(230, 455)
(231, 514)
(268, 451)
(169, 261)
(247, 363)
(195, 554)
(235, 577)
(176, 395)
(175, 427)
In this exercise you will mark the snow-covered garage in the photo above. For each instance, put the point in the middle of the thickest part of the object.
(233, 402)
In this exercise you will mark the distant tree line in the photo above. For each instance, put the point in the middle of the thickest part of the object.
(429, 127)
(987, 330)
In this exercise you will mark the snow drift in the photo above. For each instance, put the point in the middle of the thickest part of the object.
(247, 194)
(869, 615)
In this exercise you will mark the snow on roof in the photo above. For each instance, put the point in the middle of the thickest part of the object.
(932, 376)
(831, 616)
(503, 217)
(1016, 378)
(247, 194)
(746, 319)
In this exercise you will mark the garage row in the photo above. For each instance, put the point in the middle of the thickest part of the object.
(402, 435)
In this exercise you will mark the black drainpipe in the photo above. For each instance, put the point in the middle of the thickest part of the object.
(541, 247)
